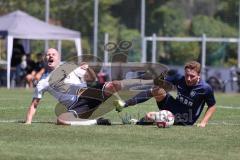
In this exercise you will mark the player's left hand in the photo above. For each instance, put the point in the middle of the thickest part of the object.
(201, 125)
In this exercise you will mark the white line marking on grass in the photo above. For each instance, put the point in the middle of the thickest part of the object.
(7, 99)
(10, 121)
(228, 107)
(22, 121)
(114, 123)
(22, 107)
(49, 122)
(224, 123)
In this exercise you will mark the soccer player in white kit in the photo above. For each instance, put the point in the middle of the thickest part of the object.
(75, 82)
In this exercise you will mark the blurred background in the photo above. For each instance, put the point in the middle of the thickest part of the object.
(145, 23)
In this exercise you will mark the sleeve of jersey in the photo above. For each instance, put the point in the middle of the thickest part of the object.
(39, 90)
(210, 99)
(174, 79)
(80, 72)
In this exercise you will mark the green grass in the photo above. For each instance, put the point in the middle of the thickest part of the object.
(220, 140)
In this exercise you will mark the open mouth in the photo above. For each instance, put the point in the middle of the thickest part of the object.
(50, 61)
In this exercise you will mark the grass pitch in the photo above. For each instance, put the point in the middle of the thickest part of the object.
(43, 139)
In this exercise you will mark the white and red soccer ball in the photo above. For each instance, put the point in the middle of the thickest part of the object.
(164, 119)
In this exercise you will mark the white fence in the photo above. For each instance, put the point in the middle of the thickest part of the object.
(204, 39)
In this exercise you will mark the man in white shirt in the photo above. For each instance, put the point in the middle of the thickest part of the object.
(67, 89)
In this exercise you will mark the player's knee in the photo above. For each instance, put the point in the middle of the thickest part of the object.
(113, 86)
(61, 120)
(65, 118)
(117, 85)
(158, 93)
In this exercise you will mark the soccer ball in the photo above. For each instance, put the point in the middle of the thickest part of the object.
(164, 119)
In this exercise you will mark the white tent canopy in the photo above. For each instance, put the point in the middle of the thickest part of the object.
(20, 25)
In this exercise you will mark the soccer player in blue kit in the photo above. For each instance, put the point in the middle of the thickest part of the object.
(192, 94)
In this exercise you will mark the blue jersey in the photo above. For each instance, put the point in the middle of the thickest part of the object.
(190, 100)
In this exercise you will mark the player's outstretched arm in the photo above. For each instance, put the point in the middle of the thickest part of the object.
(32, 110)
(209, 113)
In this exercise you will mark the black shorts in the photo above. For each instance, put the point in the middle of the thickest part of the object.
(89, 99)
(85, 104)
(183, 114)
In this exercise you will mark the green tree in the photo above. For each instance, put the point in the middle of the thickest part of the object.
(121, 19)
(212, 28)
(170, 22)
(227, 11)
(182, 52)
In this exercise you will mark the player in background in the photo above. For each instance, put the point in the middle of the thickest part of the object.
(192, 94)
(77, 79)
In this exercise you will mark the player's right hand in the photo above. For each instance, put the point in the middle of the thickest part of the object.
(119, 104)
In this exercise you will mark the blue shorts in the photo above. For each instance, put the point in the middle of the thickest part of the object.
(183, 114)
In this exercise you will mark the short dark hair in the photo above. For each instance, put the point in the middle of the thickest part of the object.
(193, 65)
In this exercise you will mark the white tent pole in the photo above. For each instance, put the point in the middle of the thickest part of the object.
(203, 58)
(106, 39)
(154, 48)
(144, 50)
(59, 48)
(78, 46)
(47, 6)
(238, 35)
(9, 57)
(143, 8)
(95, 29)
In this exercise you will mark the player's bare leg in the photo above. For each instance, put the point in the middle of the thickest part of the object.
(70, 118)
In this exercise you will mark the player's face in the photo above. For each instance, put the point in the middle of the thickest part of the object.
(191, 77)
(52, 58)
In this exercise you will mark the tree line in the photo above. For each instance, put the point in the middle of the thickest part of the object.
(122, 19)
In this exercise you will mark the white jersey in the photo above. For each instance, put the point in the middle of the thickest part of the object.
(75, 80)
